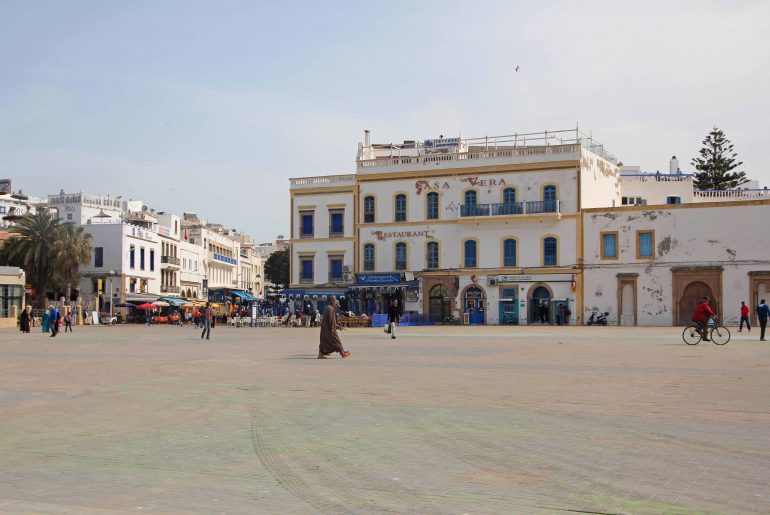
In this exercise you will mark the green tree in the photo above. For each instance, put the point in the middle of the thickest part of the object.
(71, 248)
(277, 268)
(32, 248)
(716, 164)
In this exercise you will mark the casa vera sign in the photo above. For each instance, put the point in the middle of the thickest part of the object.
(382, 235)
(423, 185)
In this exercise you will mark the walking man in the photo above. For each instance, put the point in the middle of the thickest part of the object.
(68, 322)
(206, 319)
(330, 338)
(762, 313)
(744, 317)
(393, 317)
(54, 322)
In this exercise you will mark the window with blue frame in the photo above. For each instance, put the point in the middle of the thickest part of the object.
(431, 200)
(400, 208)
(335, 268)
(470, 259)
(306, 225)
(509, 196)
(470, 198)
(645, 244)
(336, 223)
(369, 257)
(400, 256)
(306, 269)
(609, 245)
(509, 252)
(431, 257)
(549, 198)
(549, 251)
(141, 258)
(152, 260)
(132, 257)
(369, 210)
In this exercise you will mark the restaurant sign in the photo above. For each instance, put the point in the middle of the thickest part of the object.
(534, 278)
(378, 278)
(382, 235)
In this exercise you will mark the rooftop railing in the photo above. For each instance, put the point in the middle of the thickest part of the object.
(653, 177)
(747, 194)
(323, 181)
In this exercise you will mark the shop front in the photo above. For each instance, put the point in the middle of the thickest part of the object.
(373, 293)
(540, 299)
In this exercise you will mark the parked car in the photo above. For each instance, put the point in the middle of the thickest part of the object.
(108, 320)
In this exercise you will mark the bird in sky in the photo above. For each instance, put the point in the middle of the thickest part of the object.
(517, 68)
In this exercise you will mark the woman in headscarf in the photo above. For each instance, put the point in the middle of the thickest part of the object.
(330, 339)
(26, 318)
(46, 320)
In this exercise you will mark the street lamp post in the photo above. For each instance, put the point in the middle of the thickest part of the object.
(112, 295)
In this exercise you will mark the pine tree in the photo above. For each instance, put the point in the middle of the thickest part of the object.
(716, 164)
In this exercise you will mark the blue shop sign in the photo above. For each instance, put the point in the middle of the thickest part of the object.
(378, 278)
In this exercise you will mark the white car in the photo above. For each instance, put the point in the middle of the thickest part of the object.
(108, 320)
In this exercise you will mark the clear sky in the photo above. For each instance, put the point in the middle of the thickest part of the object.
(212, 106)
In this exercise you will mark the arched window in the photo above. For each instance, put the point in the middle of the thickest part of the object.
(369, 210)
(400, 208)
(549, 251)
(509, 196)
(470, 198)
(369, 257)
(431, 202)
(400, 256)
(469, 254)
(509, 252)
(431, 255)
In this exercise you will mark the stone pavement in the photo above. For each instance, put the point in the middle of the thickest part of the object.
(442, 420)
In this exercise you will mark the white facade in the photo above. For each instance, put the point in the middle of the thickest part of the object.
(192, 270)
(697, 249)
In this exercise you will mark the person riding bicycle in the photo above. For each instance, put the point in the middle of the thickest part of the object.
(701, 317)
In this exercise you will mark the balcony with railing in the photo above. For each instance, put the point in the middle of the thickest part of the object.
(727, 195)
(536, 207)
(170, 261)
(167, 288)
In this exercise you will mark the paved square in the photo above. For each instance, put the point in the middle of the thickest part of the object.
(441, 420)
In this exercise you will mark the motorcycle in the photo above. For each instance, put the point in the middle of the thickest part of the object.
(597, 318)
(451, 319)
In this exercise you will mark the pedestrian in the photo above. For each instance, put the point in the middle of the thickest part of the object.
(542, 313)
(46, 320)
(762, 313)
(744, 317)
(24, 320)
(54, 322)
(68, 322)
(560, 314)
(206, 318)
(393, 316)
(307, 312)
(330, 338)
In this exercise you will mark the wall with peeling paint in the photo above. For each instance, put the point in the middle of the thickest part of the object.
(733, 237)
(599, 180)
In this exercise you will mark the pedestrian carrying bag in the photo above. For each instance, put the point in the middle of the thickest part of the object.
(387, 328)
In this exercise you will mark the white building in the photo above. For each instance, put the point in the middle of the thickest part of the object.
(650, 265)
(486, 229)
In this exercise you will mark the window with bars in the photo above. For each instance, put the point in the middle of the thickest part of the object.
(431, 257)
(549, 251)
(369, 210)
(400, 208)
(470, 259)
(509, 252)
(369, 257)
(431, 200)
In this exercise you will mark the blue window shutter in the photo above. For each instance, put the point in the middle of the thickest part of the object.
(509, 252)
(610, 245)
(645, 244)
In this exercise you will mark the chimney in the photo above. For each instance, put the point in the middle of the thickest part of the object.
(673, 165)
(367, 142)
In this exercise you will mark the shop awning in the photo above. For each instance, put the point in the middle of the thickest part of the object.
(174, 301)
(406, 285)
(241, 294)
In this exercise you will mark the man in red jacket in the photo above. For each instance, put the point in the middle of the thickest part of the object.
(744, 317)
(701, 317)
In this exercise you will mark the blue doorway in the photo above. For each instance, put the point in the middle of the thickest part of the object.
(474, 305)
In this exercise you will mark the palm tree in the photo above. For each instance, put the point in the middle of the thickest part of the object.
(71, 248)
(32, 247)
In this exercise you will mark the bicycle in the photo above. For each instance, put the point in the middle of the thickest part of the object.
(718, 334)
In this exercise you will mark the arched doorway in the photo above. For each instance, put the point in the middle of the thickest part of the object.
(691, 296)
(473, 305)
(540, 306)
(439, 303)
